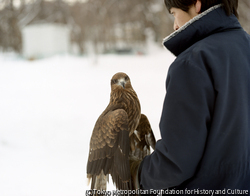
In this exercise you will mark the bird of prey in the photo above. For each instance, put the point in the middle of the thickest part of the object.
(114, 137)
(144, 138)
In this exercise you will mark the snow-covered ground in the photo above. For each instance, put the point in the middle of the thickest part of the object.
(48, 109)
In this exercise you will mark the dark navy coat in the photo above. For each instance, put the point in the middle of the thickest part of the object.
(205, 122)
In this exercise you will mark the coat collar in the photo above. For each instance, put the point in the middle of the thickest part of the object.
(208, 22)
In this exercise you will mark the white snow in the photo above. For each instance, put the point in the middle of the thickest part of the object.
(48, 109)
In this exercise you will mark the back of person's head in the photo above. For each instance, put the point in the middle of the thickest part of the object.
(230, 6)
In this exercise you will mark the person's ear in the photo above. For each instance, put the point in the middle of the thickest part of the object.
(198, 6)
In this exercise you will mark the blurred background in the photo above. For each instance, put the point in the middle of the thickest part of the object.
(56, 61)
(98, 26)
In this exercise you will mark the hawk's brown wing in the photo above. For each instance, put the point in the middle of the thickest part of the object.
(109, 150)
(144, 138)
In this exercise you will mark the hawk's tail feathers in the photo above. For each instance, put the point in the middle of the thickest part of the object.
(98, 182)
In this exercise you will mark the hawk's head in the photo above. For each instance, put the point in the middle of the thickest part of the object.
(120, 80)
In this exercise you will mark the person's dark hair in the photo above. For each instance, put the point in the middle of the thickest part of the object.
(230, 6)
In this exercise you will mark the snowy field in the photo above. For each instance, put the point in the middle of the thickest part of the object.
(48, 111)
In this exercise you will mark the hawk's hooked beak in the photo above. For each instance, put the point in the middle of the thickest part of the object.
(122, 83)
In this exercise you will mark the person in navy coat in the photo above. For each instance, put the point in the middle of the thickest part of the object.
(205, 122)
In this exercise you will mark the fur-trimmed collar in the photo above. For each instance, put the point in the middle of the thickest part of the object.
(208, 22)
(190, 22)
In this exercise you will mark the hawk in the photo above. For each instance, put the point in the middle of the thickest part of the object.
(114, 138)
(144, 138)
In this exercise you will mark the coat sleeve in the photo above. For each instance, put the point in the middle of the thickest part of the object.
(184, 126)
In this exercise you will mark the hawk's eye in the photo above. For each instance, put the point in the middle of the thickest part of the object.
(114, 81)
(126, 78)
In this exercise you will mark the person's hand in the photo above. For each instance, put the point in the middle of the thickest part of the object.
(134, 166)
